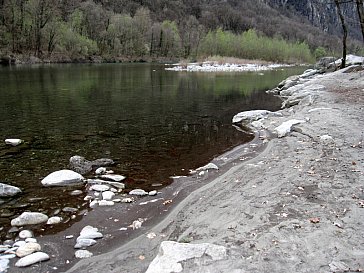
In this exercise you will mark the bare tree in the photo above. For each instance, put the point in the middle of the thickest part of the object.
(345, 32)
(360, 8)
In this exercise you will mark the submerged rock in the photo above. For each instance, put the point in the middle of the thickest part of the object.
(171, 254)
(29, 218)
(84, 166)
(7, 190)
(63, 178)
(32, 259)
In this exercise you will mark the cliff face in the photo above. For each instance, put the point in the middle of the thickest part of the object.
(321, 13)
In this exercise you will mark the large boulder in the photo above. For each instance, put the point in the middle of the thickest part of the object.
(7, 190)
(84, 166)
(172, 254)
(29, 218)
(63, 178)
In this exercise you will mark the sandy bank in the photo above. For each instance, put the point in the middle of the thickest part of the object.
(297, 207)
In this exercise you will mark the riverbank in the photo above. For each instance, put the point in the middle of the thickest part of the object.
(296, 207)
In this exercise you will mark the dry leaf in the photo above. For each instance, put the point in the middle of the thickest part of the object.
(169, 201)
(141, 257)
(315, 220)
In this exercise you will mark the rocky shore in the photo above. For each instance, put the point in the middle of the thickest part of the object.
(296, 207)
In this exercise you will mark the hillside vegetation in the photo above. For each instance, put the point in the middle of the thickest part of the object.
(120, 30)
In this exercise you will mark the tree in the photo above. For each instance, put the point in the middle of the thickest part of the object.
(360, 8)
(345, 32)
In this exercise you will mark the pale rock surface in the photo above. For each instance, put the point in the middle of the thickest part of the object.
(210, 166)
(83, 243)
(99, 188)
(283, 129)
(24, 234)
(4, 265)
(249, 116)
(326, 139)
(105, 203)
(13, 141)
(29, 218)
(100, 170)
(108, 195)
(82, 254)
(32, 259)
(89, 232)
(8, 190)
(114, 177)
(27, 249)
(54, 220)
(152, 193)
(63, 178)
(139, 192)
(171, 254)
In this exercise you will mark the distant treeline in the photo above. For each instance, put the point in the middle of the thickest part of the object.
(133, 30)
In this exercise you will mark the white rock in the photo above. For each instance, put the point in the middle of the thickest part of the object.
(29, 218)
(326, 139)
(249, 116)
(83, 243)
(89, 232)
(139, 192)
(114, 177)
(152, 193)
(127, 200)
(19, 243)
(8, 190)
(32, 259)
(54, 220)
(27, 249)
(105, 203)
(108, 195)
(283, 129)
(100, 170)
(63, 178)
(25, 234)
(4, 265)
(76, 192)
(171, 254)
(258, 124)
(99, 188)
(94, 203)
(30, 240)
(13, 141)
(210, 166)
(82, 254)
(7, 257)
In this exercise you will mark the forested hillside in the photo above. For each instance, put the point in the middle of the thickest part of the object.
(68, 30)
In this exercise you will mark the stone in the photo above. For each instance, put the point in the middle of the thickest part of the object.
(100, 188)
(54, 220)
(25, 234)
(4, 248)
(29, 218)
(13, 141)
(171, 255)
(108, 195)
(27, 249)
(32, 259)
(4, 264)
(84, 166)
(210, 166)
(69, 209)
(30, 240)
(113, 177)
(76, 192)
(249, 116)
(152, 193)
(117, 185)
(82, 254)
(104, 203)
(63, 178)
(283, 129)
(83, 243)
(139, 192)
(89, 232)
(8, 190)
(326, 139)
(19, 243)
(100, 170)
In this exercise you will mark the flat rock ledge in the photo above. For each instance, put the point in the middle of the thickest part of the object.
(171, 255)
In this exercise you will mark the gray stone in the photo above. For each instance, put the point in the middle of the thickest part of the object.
(83, 243)
(4, 265)
(139, 192)
(63, 178)
(100, 170)
(13, 141)
(171, 254)
(82, 254)
(210, 166)
(32, 259)
(99, 188)
(113, 177)
(108, 195)
(152, 193)
(104, 203)
(25, 234)
(29, 218)
(283, 129)
(84, 166)
(54, 220)
(249, 116)
(7, 190)
(89, 232)
(27, 249)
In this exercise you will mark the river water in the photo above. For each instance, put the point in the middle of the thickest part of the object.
(153, 123)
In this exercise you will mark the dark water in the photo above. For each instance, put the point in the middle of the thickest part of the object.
(153, 123)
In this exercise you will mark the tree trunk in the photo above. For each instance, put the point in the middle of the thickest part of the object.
(360, 8)
(345, 32)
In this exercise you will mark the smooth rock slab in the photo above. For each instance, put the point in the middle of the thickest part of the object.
(63, 178)
(13, 141)
(8, 190)
(29, 218)
(171, 254)
(82, 254)
(139, 192)
(32, 259)
(27, 249)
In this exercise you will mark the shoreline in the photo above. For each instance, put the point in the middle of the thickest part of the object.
(304, 203)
